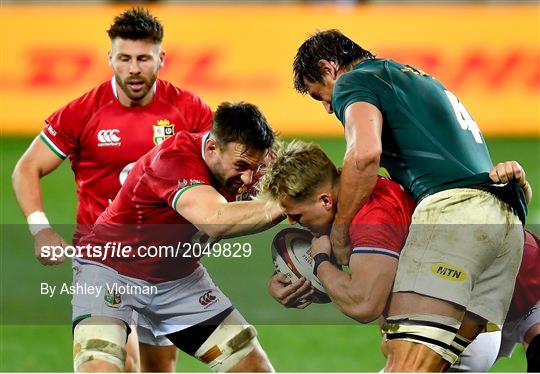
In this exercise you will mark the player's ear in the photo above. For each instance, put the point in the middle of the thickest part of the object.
(328, 68)
(326, 200)
(161, 59)
(109, 56)
(211, 145)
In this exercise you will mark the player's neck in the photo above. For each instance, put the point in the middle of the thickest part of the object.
(335, 189)
(126, 101)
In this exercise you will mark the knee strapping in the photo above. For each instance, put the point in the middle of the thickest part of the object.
(229, 344)
(99, 342)
(456, 348)
(433, 331)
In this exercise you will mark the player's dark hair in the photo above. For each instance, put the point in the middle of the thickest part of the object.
(243, 123)
(330, 45)
(136, 24)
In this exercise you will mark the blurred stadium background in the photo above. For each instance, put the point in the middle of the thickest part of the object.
(487, 53)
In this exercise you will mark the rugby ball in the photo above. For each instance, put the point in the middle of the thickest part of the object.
(291, 254)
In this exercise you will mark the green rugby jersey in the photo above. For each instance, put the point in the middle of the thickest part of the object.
(430, 142)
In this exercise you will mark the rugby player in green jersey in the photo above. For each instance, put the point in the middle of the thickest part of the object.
(458, 267)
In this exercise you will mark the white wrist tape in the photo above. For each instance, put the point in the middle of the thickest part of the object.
(37, 221)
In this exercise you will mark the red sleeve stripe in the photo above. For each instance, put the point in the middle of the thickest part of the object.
(379, 251)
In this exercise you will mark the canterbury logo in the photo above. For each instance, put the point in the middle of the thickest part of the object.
(108, 137)
(207, 298)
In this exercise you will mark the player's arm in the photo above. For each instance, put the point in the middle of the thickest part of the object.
(361, 294)
(205, 208)
(363, 127)
(506, 171)
(35, 163)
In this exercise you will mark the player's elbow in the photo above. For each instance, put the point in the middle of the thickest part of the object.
(366, 311)
(213, 230)
(364, 160)
(22, 169)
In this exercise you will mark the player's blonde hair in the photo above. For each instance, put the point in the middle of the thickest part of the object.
(297, 171)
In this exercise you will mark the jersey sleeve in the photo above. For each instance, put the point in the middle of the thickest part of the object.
(62, 129)
(353, 87)
(172, 173)
(382, 225)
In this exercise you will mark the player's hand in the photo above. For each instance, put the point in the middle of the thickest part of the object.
(48, 237)
(339, 239)
(291, 295)
(504, 172)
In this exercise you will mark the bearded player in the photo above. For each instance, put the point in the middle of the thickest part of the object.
(103, 133)
(305, 182)
(168, 198)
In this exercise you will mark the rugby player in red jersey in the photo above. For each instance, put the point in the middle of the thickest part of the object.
(305, 182)
(103, 133)
(168, 199)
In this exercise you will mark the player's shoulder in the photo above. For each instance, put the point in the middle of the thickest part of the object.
(96, 97)
(74, 116)
(389, 203)
(366, 70)
(181, 148)
(90, 102)
(175, 95)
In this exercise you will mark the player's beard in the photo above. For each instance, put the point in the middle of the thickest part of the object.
(139, 93)
(230, 184)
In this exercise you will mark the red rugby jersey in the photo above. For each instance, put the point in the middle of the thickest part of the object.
(142, 213)
(104, 138)
(527, 289)
(382, 224)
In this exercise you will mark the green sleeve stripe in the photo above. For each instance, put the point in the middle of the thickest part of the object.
(180, 192)
(52, 146)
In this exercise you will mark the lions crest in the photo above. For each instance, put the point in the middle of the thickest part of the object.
(162, 130)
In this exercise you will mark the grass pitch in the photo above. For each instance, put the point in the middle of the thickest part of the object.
(293, 343)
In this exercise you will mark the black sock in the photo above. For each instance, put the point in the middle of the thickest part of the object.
(533, 355)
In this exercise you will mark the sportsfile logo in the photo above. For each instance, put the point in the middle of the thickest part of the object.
(207, 299)
(109, 138)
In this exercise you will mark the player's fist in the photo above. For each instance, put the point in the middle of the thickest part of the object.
(49, 246)
(504, 172)
(289, 294)
(321, 245)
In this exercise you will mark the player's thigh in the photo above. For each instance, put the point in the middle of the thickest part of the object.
(132, 364)
(158, 359)
(100, 318)
(225, 342)
(200, 320)
(158, 354)
(454, 237)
